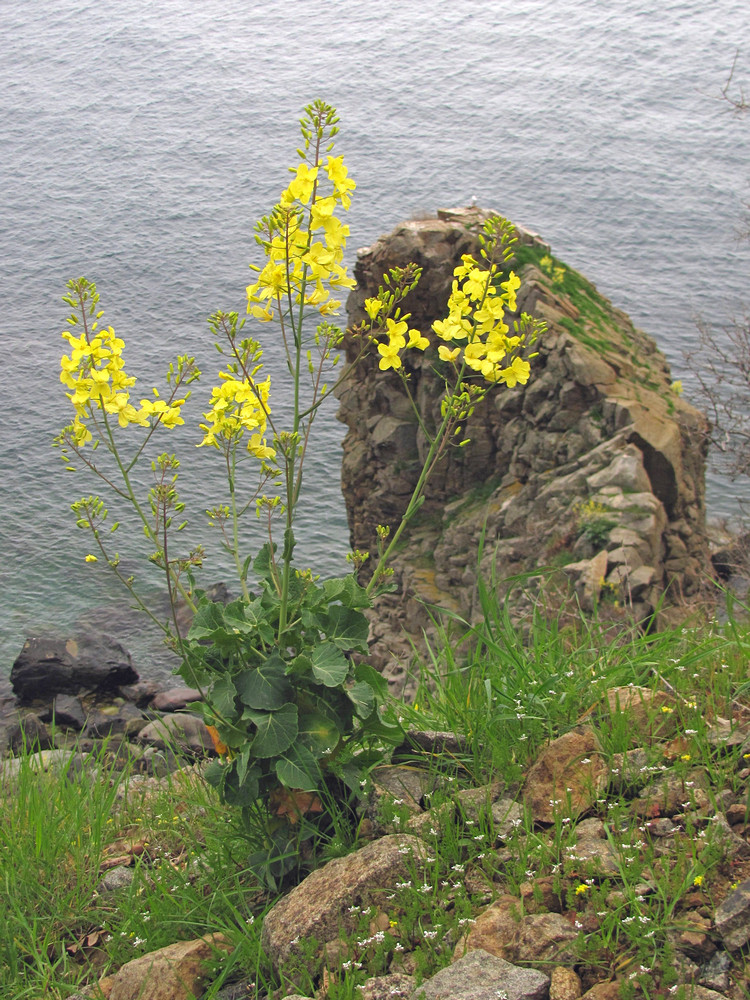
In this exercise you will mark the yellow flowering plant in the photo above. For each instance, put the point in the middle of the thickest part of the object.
(293, 708)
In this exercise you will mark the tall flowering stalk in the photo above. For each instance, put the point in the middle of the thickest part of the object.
(291, 710)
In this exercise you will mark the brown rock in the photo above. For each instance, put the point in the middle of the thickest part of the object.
(567, 777)
(176, 972)
(319, 906)
(650, 714)
(603, 991)
(504, 930)
(564, 984)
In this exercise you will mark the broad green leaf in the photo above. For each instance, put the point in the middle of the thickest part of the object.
(222, 698)
(300, 666)
(363, 698)
(346, 590)
(276, 730)
(347, 628)
(297, 768)
(207, 619)
(330, 666)
(215, 773)
(364, 672)
(244, 792)
(318, 732)
(266, 686)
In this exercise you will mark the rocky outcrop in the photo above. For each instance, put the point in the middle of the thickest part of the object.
(590, 478)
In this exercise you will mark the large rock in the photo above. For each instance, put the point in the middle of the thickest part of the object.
(320, 906)
(482, 976)
(46, 667)
(177, 972)
(596, 462)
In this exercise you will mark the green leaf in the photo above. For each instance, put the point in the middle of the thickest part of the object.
(300, 666)
(241, 792)
(264, 687)
(364, 672)
(346, 590)
(347, 628)
(318, 732)
(207, 619)
(214, 773)
(363, 698)
(330, 666)
(297, 768)
(222, 698)
(276, 730)
(262, 562)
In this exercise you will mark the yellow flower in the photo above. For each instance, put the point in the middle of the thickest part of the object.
(90, 558)
(373, 307)
(417, 340)
(445, 355)
(698, 880)
(518, 371)
(582, 889)
(389, 356)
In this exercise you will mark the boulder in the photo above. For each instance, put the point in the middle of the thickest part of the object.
(320, 906)
(46, 667)
(177, 972)
(483, 976)
(567, 777)
(596, 461)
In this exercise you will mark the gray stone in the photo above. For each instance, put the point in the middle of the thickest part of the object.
(67, 710)
(732, 917)
(391, 987)
(175, 698)
(116, 879)
(46, 667)
(481, 976)
(177, 729)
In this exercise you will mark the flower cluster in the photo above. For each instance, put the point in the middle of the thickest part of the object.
(304, 242)
(476, 312)
(239, 406)
(94, 371)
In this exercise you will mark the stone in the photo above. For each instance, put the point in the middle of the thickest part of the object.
(507, 816)
(319, 906)
(68, 711)
(481, 976)
(114, 720)
(46, 667)
(649, 715)
(714, 974)
(177, 729)
(116, 879)
(390, 987)
(177, 972)
(564, 984)
(504, 930)
(732, 917)
(567, 777)
(27, 734)
(175, 698)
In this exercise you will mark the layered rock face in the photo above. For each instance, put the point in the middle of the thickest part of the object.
(590, 478)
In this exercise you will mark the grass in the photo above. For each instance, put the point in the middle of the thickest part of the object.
(506, 691)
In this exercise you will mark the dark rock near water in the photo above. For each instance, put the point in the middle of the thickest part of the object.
(46, 667)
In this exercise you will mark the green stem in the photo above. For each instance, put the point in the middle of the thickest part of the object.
(231, 476)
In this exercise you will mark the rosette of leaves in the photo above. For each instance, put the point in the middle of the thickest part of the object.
(294, 714)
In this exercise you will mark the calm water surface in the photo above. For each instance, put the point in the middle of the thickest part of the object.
(141, 140)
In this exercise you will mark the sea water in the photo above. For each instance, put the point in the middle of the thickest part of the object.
(141, 141)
